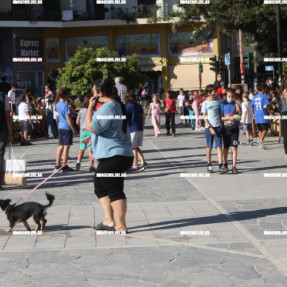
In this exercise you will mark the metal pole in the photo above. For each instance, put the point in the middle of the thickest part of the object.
(241, 57)
(281, 139)
(229, 76)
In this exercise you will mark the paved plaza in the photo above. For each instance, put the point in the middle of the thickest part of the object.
(224, 218)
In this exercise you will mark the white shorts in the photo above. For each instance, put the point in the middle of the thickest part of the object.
(137, 139)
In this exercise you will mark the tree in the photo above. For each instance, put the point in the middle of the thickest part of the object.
(256, 20)
(80, 72)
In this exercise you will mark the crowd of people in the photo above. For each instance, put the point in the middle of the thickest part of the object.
(112, 121)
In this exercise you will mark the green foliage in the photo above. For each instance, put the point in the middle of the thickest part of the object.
(256, 20)
(80, 72)
(284, 68)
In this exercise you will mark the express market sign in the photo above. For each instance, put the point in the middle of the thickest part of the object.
(29, 50)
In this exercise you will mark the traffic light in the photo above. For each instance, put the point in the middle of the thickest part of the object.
(214, 64)
(222, 67)
(248, 60)
(200, 68)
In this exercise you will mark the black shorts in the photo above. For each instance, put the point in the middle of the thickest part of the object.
(65, 137)
(113, 187)
(230, 136)
(13, 108)
(262, 127)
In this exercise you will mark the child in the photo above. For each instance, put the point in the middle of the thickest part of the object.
(230, 129)
(260, 107)
(251, 94)
(41, 110)
(66, 129)
(136, 120)
(24, 117)
(213, 129)
(169, 108)
(247, 118)
(180, 104)
(155, 116)
(84, 133)
(196, 109)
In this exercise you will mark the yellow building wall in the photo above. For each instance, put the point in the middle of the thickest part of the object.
(174, 74)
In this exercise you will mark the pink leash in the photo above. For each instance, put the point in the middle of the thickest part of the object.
(40, 183)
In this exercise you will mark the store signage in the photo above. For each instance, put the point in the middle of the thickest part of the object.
(29, 50)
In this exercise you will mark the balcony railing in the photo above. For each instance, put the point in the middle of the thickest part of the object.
(129, 14)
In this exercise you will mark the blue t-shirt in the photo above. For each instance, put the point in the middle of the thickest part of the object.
(259, 103)
(134, 116)
(63, 110)
(227, 109)
(108, 138)
(211, 109)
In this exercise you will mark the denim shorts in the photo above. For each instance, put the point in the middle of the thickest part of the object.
(210, 138)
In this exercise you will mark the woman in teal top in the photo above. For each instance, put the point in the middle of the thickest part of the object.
(112, 148)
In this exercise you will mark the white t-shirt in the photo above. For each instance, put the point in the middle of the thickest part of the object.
(12, 96)
(47, 100)
(180, 100)
(246, 107)
(22, 109)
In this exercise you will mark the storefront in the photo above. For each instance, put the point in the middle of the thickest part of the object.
(21, 51)
(172, 58)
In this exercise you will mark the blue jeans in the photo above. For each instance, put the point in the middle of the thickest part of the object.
(50, 122)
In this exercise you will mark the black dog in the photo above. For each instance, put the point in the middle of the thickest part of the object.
(22, 212)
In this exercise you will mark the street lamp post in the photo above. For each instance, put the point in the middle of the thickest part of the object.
(281, 139)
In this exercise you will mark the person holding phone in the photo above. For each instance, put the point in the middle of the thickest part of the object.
(112, 148)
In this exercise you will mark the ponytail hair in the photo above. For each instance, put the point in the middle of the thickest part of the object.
(108, 89)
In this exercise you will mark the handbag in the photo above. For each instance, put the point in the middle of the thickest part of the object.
(14, 170)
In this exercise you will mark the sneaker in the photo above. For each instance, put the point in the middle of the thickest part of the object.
(92, 168)
(262, 146)
(209, 168)
(250, 142)
(173, 135)
(57, 167)
(222, 169)
(133, 170)
(22, 143)
(66, 168)
(168, 133)
(143, 166)
(28, 143)
(234, 170)
(78, 166)
(259, 142)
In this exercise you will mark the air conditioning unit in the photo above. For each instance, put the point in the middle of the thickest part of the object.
(67, 15)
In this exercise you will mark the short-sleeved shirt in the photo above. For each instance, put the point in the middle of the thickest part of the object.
(108, 139)
(227, 109)
(211, 109)
(180, 99)
(12, 96)
(169, 104)
(134, 116)
(22, 109)
(48, 101)
(246, 107)
(63, 110)
(259, 103)
(82, 117)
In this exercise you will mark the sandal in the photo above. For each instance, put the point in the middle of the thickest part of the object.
(101, 226)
